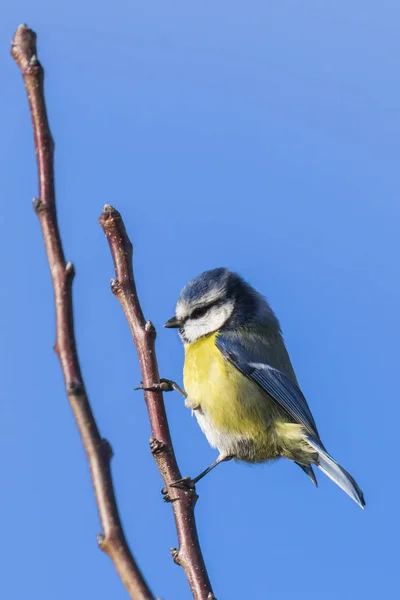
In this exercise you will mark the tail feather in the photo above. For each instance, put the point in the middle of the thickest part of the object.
(339, 475)
(308, 470)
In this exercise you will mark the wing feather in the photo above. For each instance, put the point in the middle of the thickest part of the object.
(275, 383)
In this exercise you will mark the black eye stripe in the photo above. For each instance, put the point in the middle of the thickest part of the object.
(202, 310)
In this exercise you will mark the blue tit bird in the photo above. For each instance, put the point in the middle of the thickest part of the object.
(239, 381)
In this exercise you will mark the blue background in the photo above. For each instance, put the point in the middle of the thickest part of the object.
(263, 136)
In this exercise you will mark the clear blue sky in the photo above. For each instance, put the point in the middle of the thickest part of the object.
(263, 136)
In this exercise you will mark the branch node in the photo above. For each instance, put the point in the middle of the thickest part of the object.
(150, 331)
(74, 388)
(115, 286)
(149, 327)
(70, 270)
(106, 449)
(23, 47)
(175, 556)
(38, 205)
(101, 538)
(156, 446)
(109, 210)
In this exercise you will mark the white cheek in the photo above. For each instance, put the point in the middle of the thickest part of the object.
(195, 329)
(212, 321)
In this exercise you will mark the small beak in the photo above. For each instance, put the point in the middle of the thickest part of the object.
(173, 323)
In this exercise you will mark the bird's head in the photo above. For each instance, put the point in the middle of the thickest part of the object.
(217, 299)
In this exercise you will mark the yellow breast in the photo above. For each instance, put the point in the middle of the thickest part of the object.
(234, 403)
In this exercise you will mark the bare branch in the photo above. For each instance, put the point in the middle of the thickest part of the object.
(98, 450)
(189, 554)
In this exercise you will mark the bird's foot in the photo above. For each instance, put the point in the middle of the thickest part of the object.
(186, 484)
(165, 385)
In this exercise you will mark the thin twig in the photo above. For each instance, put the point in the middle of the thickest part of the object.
(112, 541)
(189, 554)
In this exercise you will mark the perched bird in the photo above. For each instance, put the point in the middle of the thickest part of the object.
(240, 383)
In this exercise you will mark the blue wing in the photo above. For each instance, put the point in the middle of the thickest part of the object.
(251, 354)
(274, 382)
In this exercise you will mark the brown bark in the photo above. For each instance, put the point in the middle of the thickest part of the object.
(98, 451)
(189, 554)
